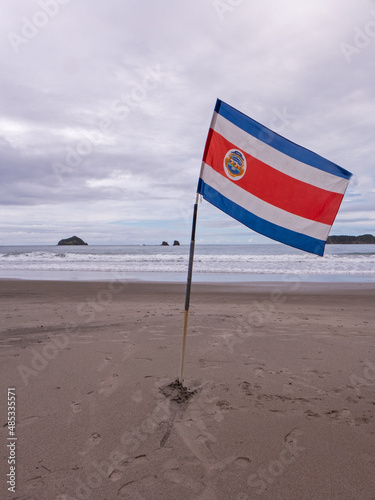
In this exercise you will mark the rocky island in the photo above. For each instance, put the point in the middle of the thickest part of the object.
(363, 239)
(73, 240)
(166, 244)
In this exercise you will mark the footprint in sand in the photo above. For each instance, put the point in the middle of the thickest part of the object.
(76, 406)
(259, 372)
(117, 474)
(93, 440)
(247, 388)
(292, 436)
(130, 493)
(130, 490)
(137, 396)
(341, 416)
(172, 475)
(311, 414)
(199, 444)
(109, 385)
(188, 482)
(106, 361)
(242, 462)
(128, 351)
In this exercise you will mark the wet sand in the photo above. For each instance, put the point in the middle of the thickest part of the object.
(282, 376)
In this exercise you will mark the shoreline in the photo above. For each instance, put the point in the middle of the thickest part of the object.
(180, 278)
(251, 287)
(287, 284)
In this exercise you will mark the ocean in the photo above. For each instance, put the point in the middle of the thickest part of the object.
(212, 263)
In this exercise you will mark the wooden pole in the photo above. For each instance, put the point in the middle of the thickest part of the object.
(188, 287)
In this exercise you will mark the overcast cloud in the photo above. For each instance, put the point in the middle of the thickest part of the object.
(105, 108)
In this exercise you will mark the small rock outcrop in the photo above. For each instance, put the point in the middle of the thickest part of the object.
(176, 243)
(165, 244)
(74, 240)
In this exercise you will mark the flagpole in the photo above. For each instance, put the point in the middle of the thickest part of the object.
(188, 287)
(191, 257)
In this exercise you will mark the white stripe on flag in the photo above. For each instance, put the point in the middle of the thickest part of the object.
(276, 159)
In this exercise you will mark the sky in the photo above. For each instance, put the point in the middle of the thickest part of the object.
(105, 109)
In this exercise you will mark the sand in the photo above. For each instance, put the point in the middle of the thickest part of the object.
(279, 404)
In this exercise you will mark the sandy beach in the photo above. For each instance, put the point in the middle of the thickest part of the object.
(280, 397)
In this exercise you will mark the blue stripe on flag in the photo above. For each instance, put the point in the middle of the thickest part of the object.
(278, 142)
(262, 226)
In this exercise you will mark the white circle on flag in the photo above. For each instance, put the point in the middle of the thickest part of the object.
(235, 164)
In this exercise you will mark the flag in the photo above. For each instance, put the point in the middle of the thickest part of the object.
(268, 183)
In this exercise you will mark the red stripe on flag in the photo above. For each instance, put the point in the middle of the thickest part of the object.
(273, 186)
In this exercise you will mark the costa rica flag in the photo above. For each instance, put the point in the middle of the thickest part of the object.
(268, 183)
